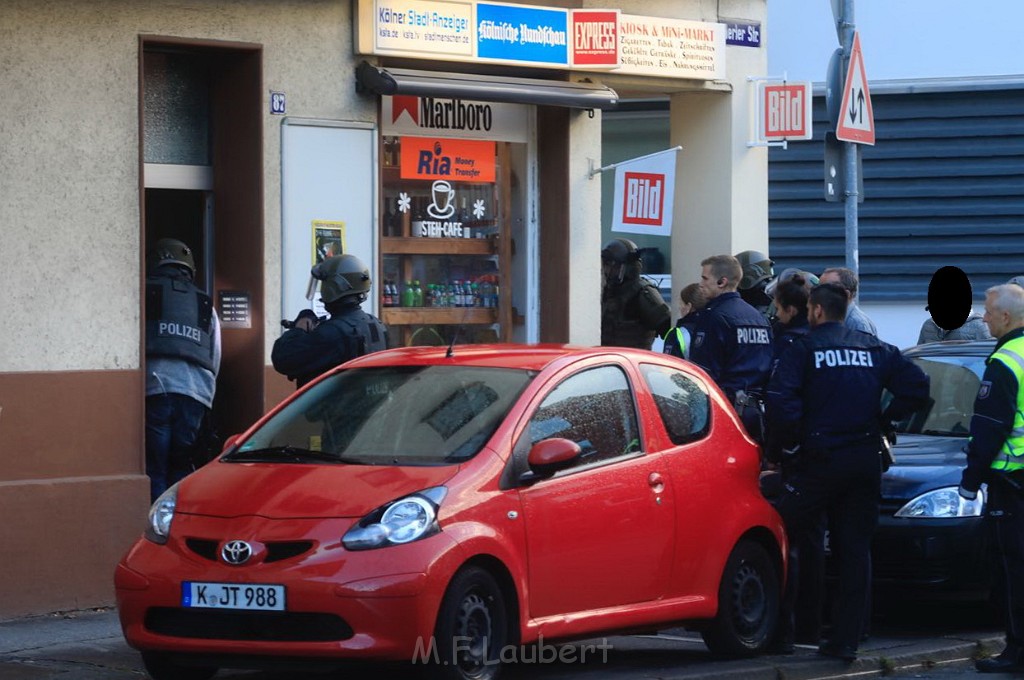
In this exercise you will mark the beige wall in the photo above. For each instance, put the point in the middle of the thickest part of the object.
(69, 133)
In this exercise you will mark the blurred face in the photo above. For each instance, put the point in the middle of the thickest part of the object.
(998, 322)
(784, 314)
(711, 286)
(815, 314)
(832, 277)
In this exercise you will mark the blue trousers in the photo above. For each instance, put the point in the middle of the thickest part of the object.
(844, 484)
(172, 427)
(1005, 519)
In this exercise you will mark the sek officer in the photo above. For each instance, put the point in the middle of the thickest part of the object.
(825, 421)
(995, 454)
(311, 346)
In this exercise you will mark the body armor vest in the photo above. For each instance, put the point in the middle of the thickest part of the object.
(178, 321)
(622, 314)
(363, 331)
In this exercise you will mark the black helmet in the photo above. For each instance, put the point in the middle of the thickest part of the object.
(171, 251)
(620, 260)
(620, 251)
(757, 268)
(342, 276)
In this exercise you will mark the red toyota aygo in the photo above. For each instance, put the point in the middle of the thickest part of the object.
(452, 506)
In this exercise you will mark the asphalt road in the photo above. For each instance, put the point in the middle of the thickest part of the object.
(908, 639)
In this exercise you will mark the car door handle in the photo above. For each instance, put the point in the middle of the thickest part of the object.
(655, 481)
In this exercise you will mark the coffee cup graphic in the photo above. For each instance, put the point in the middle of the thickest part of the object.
(443, 196)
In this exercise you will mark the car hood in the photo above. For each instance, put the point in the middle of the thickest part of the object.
(924, 463)
(301, 491)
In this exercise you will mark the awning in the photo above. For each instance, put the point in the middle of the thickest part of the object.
(393, 81)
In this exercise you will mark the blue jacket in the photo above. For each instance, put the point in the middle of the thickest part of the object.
(733, 343)
(827, 390)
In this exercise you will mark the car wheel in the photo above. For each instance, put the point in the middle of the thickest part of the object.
(163, 667)
(748, 603)
(472, 628)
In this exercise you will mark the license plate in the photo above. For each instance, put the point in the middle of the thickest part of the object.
(260, 597)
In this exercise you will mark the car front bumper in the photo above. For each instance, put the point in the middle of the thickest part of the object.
(372, 604)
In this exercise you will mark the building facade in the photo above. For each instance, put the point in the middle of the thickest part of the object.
(268, 135)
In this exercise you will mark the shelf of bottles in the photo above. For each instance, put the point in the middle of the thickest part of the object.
(443, 257)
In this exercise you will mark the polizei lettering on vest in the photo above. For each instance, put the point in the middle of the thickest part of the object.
(455, 114)
(842, 357)
(180, 330)
(752, 336)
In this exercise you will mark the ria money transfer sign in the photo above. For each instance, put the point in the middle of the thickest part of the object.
(644, 190)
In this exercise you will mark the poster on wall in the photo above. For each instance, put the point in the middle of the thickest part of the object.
(644, 194)
(328, 239)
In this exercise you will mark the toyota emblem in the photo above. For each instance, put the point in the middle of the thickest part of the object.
(236, 552)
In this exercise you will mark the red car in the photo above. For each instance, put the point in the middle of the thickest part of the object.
(449, 506)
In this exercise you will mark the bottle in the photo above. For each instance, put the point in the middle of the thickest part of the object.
(408, 297)
(475, 295)
(386, 294)
(417, 294)
(417, 218)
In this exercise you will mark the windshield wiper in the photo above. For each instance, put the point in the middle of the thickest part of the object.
(293, 454)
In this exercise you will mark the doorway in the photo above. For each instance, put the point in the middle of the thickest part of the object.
(202, 167)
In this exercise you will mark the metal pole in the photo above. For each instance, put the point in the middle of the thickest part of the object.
(850, 152)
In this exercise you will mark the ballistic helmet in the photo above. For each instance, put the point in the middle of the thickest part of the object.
(620, 262)
(171, 251)
(620, 251)
(341, 276)
(757, 268)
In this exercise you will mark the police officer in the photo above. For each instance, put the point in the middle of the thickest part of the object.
(182, 361)
(732, 341)
(995, 454)
(632, 309)
(757, 272)
(311, 346)
(824, 407)
(679, 338)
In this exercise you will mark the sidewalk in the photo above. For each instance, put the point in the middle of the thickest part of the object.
(87, 645)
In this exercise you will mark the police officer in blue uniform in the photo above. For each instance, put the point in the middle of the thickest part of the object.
(995, 454)
(182, 361)
(679, 338)
(732, 340)
(825, 420)
(310, 346)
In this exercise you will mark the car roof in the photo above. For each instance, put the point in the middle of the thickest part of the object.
(533, 357)
(948, 348)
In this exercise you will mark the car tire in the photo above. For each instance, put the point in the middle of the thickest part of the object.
(748, 603)
(163, 667)
(472, 628)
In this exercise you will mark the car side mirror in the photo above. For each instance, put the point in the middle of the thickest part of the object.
(230, 442)
(549, 456)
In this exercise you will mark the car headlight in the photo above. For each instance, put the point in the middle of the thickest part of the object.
(402, 521)
(941, 503)
(161, 514)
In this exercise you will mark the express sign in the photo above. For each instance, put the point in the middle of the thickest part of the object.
(785, 111)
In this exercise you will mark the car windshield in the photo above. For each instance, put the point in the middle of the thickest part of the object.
(395, 415)
(954, 385)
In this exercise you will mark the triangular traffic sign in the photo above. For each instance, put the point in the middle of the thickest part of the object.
(856, 118)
